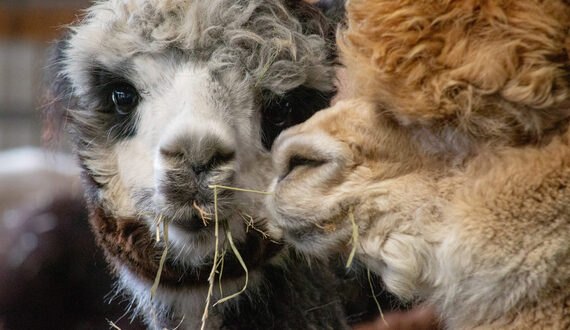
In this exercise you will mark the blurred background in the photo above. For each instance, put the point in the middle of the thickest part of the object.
(51, 274)
(27, 27)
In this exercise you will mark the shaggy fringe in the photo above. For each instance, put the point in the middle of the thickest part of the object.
(263, 37)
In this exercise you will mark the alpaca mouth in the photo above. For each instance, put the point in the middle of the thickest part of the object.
(192, 213)
(192, 224)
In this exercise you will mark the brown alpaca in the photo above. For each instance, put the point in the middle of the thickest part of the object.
(461, 199)
(488, 244)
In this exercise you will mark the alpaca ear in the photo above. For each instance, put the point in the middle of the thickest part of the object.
(57, 96)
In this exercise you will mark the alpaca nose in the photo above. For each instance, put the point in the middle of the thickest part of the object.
(199, 164)
(293, 152)
(200, 152)
(296, 161)
(218, 159)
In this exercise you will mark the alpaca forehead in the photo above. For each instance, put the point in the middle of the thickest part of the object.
(149, 25)
(185, 88)
(153, 26)
(247, 35)
(194, 101)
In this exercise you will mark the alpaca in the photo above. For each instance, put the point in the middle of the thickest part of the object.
(165, 99)
(460, 201)
(487, 245)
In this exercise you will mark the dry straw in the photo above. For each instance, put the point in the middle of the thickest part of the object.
(354, 239)
(215, 262)
(164, 253)
(113, 325)
(203, 214)
(375, 299)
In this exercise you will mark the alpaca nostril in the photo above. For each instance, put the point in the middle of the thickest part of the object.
(298, 161)
(197, 151)
(217, 160)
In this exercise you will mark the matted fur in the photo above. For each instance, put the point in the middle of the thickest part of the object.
(476, 223)
(207, 76)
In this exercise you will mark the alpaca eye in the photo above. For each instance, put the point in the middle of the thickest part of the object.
(125, 98)
(280, 113)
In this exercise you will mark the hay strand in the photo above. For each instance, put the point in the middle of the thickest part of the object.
(113, 325)
(158, 228)
(241, 189)
(251, 224)
(354, 239)
(374, 296)
(203, 214)
(221, 272)
(180, 323)
(215, 263)
(329, 227)
(162, 258)
(213, 271)
(242, 263)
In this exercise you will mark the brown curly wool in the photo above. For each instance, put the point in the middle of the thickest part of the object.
(498, 70)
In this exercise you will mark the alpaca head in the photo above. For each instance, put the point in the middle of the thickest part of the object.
(165, 99)
(436, 158)
(443, 80)
(168, 98)
(332, 167)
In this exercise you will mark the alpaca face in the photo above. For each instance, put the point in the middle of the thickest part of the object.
(169, 98)
(332, 166)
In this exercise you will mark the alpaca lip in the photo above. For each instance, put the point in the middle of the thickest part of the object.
(192, 224)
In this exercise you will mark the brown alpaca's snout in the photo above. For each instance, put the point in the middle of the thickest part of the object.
(309, 204)
(318, 143)
(306, 165)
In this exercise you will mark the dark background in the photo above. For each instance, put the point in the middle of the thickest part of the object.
(51, 274)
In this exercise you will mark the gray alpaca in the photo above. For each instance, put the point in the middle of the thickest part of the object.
(164, 99)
